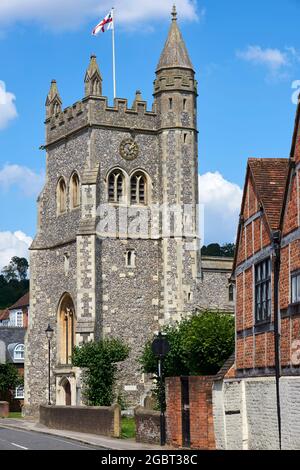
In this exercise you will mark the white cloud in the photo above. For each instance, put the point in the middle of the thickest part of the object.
(8, 109)
(21, 177)
(273, 59)
(13, 244)
(69, 14)
(222, 203)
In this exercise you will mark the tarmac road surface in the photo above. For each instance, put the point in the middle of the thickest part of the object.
(12, 439)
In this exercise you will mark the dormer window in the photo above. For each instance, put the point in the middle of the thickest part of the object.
(19, 319)
(19, 352)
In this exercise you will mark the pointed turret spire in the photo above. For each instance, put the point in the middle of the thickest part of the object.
(93, 79)
(53, 101)
(174, 13)
(175, 53)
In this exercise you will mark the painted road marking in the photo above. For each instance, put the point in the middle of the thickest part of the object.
(17, 445)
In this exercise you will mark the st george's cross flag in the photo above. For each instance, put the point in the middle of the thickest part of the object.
(104, 25)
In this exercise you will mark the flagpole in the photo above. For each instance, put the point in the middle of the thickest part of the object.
(114, 54)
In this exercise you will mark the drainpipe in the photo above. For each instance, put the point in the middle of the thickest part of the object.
(276, 265)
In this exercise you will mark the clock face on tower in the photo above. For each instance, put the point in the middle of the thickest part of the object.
(129, 149)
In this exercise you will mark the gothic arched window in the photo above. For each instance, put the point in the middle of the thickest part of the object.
(130, 257)
(61, 196)
(138, 188)
(116, 184)
(75, 190)
(66, 324)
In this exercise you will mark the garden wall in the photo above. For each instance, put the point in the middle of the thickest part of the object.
(147, 424)
(101, 420)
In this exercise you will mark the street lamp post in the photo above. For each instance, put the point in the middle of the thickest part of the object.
(160, 348)
(49, 333)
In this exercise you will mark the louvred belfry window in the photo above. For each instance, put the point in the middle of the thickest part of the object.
(116, 186)
(138, 189)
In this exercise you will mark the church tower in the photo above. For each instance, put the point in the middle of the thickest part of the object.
(116, 250)
(175, 92)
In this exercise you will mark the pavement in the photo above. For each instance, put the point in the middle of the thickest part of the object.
(32, 435)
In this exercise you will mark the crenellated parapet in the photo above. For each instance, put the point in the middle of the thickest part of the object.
(175, 80)
(95, 111)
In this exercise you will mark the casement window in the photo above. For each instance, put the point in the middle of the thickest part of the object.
(19, 352)
(263, 291)
(116, 186)
(19, 319)
(295, 284)
(19, 392)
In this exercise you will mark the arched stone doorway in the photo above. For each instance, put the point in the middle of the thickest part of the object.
(68, 397)
(66, 329)
(65, 392)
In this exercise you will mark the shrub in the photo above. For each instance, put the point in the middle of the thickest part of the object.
(198, 346)
(99, 363)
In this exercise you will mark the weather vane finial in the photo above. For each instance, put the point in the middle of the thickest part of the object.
(174, 13)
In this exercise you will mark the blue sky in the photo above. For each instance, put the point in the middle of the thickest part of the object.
(246, 56)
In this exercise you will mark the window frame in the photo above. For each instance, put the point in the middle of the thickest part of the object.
(75, 190)
(231, 293)
(117, 175)
(137, 200)
(130, 255)
(263, 286)
(20, 345)
(295, 275)
(17, 395)
(19, 314)
(62, 196)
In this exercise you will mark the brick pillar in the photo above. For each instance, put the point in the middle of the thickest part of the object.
(201, 413)
(173, 413)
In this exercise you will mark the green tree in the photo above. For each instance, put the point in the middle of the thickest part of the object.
(207, 341)
(99, 363)
(17, 269)
(213, 249)
(228, 250)
(9, 378)
(198, 346)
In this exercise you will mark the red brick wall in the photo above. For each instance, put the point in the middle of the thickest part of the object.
(297, 149)
(291, 213)
(201, 412)
(258, 351)
(173, 413)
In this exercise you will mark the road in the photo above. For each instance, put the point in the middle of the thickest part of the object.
(12, 439)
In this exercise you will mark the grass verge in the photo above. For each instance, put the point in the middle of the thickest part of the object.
(127, 428)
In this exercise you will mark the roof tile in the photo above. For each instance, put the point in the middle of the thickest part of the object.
(270, 176)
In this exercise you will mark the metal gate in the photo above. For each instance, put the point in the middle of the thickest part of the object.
(185, 412)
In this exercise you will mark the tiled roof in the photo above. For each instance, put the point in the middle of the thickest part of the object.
(226, 367)
(22, 302)
(270, 176)
(4, 314)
